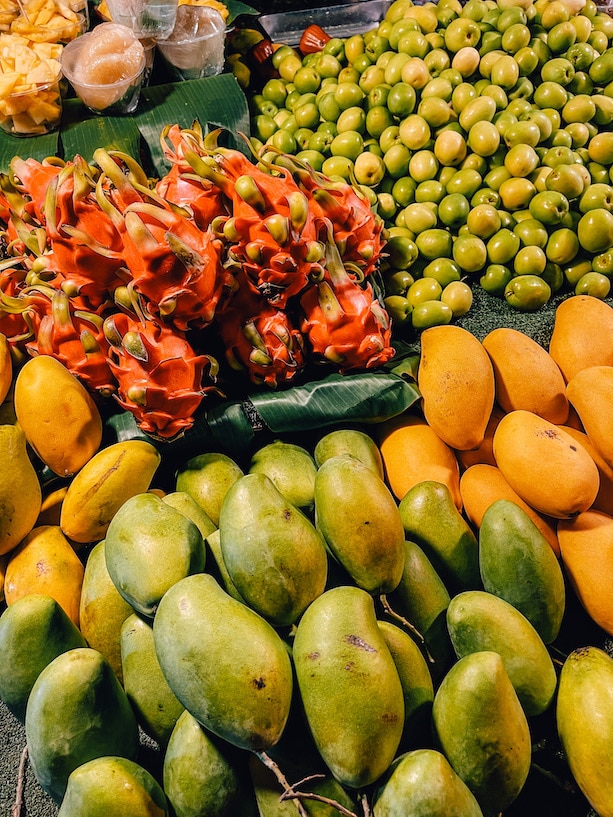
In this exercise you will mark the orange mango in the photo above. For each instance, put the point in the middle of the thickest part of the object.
(456, 381)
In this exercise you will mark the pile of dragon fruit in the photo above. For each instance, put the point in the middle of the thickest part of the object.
(115, 274)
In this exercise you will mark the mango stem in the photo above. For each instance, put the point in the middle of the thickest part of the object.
(274, 768)
(406, 623)
(21, 777)
(292, 794)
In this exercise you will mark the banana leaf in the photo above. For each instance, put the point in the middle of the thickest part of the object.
(216, 101)
(234, 426)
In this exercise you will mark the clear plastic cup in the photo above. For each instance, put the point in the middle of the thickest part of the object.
(33, 112)
(106, 67)
(146, 18)
(196, 46)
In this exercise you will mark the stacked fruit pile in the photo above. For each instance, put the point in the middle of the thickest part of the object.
(376, 624)
(481, 131)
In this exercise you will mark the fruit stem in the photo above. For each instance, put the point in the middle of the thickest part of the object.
(274, 768)
(292, 794)
(21, 775)
(391, 612)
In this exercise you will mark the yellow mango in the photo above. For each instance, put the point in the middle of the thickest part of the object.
(526, 375)
(591, 393)
(545, 465)
(45, 563)
(582, 334)
(412, 452)
(20, 492)
(586, 545)
(109, 478)
(57, 414)
(456, 381)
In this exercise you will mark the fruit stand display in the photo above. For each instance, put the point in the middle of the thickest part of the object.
(307, 375)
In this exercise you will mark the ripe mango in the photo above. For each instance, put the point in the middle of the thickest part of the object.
(224, 662)
(482, 730)
(517, 564)
(349, 685)
(57, 414)
(586, 544)
(604, 498)
(273, 553)
(108, 786)
(584, 717)
(137, 553)
(358, 517)
(456, 381)
(545, 465)
(6, 367)
(45, 562)
(422, 599)
(154, 704)
(479, 620)
(292, 470)
(526, 375)
(416, 681)
(33, 631)
(206, 478)
(202, 775)
(109, 478)
(422, 782)
(350, 441)
(20, 492)
(582, 334)
(412, 452)
(431, 519)
(591, 392)
(482, 484)
(77, 711)
(102, 609)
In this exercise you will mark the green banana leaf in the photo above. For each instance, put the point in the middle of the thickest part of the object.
(233, 426)
(216, 101)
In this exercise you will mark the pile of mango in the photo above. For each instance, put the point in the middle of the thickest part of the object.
(370, 625)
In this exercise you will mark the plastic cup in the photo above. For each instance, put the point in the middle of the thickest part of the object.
(146, 18)
(149, 46)
(196, 46)
(116, 97)
(33, 112)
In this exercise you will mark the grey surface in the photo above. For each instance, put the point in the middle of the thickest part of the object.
(36, 802)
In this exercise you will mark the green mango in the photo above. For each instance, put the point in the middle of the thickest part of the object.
(113, 787)
(353, 442)
(154, 704)
(422, 598)
(292, 470)
(268, 793)
(421, 783)
(431, 519)
(219, 569)
(481, 728)
(187, 505)
(206, 478)
(584, 717)
(77, 711)
(102, 609)
(274, 555)
(518, 564)
(349, 685)
(202, 775)
(224, 662)
(33, 631)
(139, 558)
(359, 520)
(416, 681)
(479, 621)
